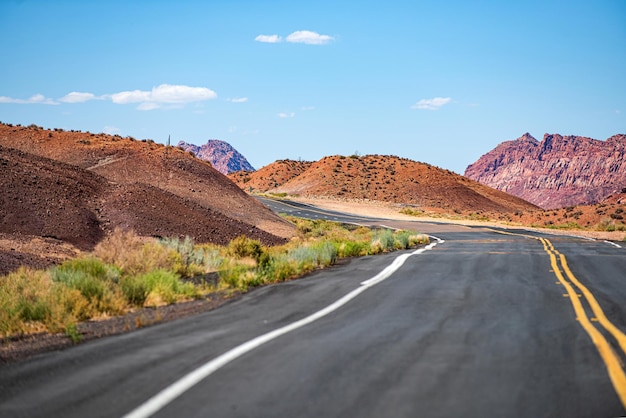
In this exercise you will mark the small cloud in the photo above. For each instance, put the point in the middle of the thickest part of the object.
(307, 108)
(148, 106)
(238, 100)
(35, 99)
(269, 39)
(285, 115)
(77, 97)
(431, 104)
(308, 37)
(163, 94)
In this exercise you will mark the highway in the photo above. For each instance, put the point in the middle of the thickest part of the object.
(483, 322)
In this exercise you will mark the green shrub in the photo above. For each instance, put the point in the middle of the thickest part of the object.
(382, 241)
(243, 246)
(135, 289)
(351, 249)
(95, 280)
(165, 287)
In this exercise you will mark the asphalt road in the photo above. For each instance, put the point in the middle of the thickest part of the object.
(483, 323)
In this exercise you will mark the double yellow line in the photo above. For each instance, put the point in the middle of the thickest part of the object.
(611, 359)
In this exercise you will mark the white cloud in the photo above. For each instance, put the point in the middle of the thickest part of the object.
(307, 108)
(77, 97)
(308, 37)
(432, 104)
(163, 94)
(238, 100)
(286, 115)
(148, 106)
(172, 95)
(35, 99)
(134, 96)
(270, 39)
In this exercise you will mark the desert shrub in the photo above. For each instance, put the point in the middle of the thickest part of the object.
(21, 299)
(237, 276)
(30, 301)
(351, 248)
(189, 260)
(243, 246)
(382, 241)
(134, 256)
(95, 280)
(401, 240)
(165, 287)
(135, 289)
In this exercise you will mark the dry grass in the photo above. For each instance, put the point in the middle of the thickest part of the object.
(125, 272)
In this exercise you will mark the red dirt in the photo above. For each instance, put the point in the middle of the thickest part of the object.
(74, 188)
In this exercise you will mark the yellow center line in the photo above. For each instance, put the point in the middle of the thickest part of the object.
(595, 306)
(611, 360)
(608, 355)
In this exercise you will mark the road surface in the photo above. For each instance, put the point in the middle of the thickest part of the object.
(482, 323)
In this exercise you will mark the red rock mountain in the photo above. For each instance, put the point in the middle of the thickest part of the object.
(222, 156)
(380, 178)
(557, 172)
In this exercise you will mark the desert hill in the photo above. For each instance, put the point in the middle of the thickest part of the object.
(270, 176)
(559, 171)
(71, 188)
(222, 156)
(380, 178)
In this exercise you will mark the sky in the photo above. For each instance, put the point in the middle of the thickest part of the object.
(441, 82)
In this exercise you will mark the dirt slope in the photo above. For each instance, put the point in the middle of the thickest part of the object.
(270, 176)
(128, 161)
(383, 178)
(51, 209)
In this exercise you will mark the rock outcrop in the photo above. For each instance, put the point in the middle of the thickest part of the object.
(222, 156)
(557, 172)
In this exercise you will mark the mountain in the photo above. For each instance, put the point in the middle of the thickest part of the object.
(72, 188)
(222, 156)
(557, 172)
(380, 178)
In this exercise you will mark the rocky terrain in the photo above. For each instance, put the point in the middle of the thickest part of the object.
(222, 156)
(380, 178)
(63, 191)
(557, 172)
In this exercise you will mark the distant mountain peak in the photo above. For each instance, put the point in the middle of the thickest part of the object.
(527, 137)
(559, 171)
(222, 156)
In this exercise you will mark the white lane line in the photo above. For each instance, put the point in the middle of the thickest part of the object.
(167, 395)
(614, 244)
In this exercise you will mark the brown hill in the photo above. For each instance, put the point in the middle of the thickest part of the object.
(270, 176)
(222, 156)
(73, 187)
(557, 172)
(382, 178)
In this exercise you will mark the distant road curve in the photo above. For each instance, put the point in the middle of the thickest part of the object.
(488, 322)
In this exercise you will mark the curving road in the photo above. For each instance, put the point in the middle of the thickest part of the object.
(482, 323)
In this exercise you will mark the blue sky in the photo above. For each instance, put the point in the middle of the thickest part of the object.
(441, 82)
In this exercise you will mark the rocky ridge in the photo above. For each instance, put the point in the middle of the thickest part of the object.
(222, 156)
(559, 171)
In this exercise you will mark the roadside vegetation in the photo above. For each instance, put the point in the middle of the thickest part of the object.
(126, 272)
